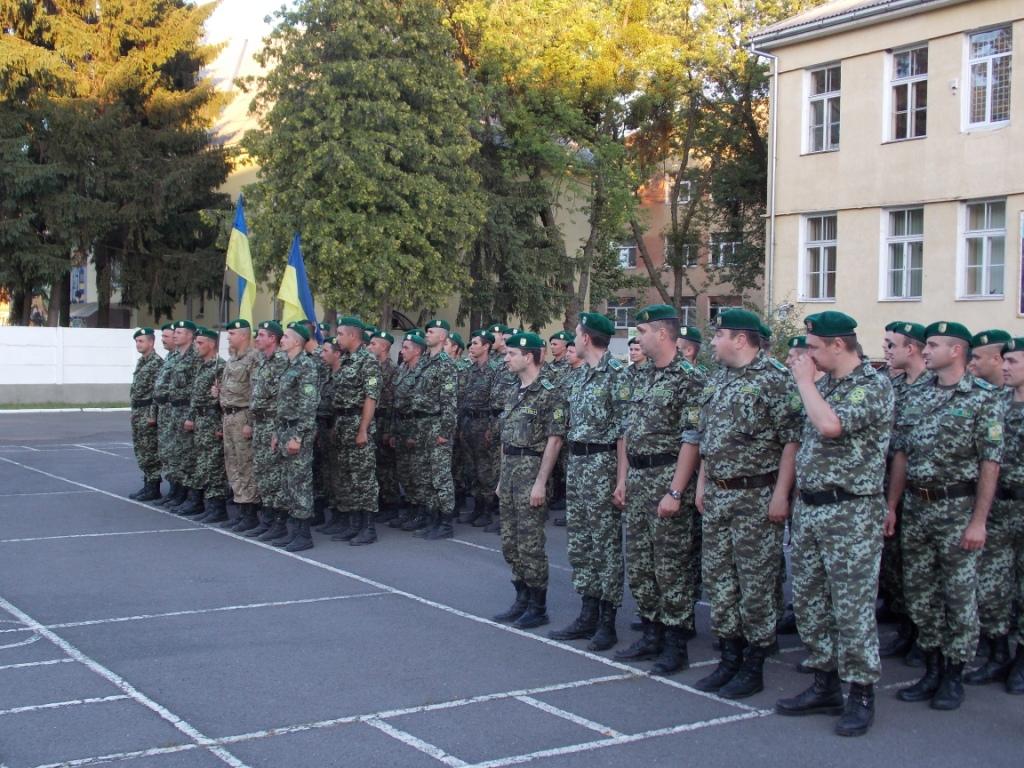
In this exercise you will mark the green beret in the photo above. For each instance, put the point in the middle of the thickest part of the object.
(371, 328)
(482, 334)
(765, 330)
(893, 327)
(379, 334)
(351, 321)
(690, 333)
(457, 338)
(633, 340)
(273, 326)
(797, 342)
(910, 330)
(332, 340)
(563, 336)
(995, 336)
(167, 327)
(528, 340)
(416, 338)
(237, 324)
(367, 336)
(324, 327)
(208, 333)
(437, 322)
(143, 332)
(1015, 344)
(736, 319)
(597, 322)
(300, 327)
(656, 312)
(187, 324)
(415, 330)
(944, 328)
(830, 324)
(501, 328)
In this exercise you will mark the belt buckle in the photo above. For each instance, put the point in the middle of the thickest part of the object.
(722, 484)
(926, 494)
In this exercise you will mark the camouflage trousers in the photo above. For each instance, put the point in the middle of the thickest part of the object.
(1001, 570)
(939, 577)
(522, 526)
(238, 462)
(263, 459)
(354, 468)
(741, 563)
(293, 478)
(480, 459)
(387, 470)
(434, 465)
(145, 439)
(659, 550)
(208, 474)
(407, 465)
(890, 576)
(594, 527)
(323, 459)
(836, 551)
(180, 449)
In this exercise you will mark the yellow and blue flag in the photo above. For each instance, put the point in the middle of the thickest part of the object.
(239, 261)
(294, 291)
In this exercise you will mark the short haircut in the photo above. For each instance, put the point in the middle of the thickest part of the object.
(633, 341)
(754, 338)
(850, 343)
(670, 324)
(598, 339)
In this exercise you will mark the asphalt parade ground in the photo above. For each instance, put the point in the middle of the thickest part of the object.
(131, 636)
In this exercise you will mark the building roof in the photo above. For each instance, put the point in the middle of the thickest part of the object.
(833, 16)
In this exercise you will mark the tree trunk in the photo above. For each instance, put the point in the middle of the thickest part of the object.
(58, 298)
(645, 256)
(101, 258)
(21, 307)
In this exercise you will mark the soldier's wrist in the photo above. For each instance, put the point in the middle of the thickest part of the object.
(677, 495)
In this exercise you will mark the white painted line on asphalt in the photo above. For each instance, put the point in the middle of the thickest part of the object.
(28, 641)
(465, 543)
(13, 411)
(124, 686)
(43, 493)
(604, 730)
(98, 450)
(416, 743)
(62, 704)
(117, 757)
(411, 596)
(101, 535)
(26, 664)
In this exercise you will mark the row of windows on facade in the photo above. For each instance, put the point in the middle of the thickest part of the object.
(981, 249)
(986, 101)
(722, 252)
(623, 310)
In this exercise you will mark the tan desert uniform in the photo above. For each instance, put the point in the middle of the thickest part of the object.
(235, 396)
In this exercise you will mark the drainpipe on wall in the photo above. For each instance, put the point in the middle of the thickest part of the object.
(773, 118)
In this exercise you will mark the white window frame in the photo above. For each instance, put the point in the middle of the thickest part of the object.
(892, 83)
(717, 304)
(827, 97)
(717, 250)
(626, 306)
(987, 123)
(692, 253)
(624, 250)
(685, 191)
(803, 262)
(688, 311)
(887, 240)
(989, 234)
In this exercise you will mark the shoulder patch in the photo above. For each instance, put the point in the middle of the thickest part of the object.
(857, 395)
(777, 364)
(615, 364)
(983, 384)
(687, 366)
(547, 384)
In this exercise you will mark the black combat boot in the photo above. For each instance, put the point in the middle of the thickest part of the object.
(405, 514)
(950, 694)
(750, 677)
(902, 642)
(786, 625)
(647, 647)
(536, 614)
(151, 491)
(728, 666)
(216, 512)
(302, 538)
(318, 512)
(368, 533)
(605, 636)
(673, 657)
(1015, 679)
(518, 607)
(193, 506)
(266, 519)
(488, 508)
(355, 524)
(494, 523)
(584, 625)
(417, 520)
(142, 490)
(386, 512)
(824, 697)
(339, 523)
(859, 712)
(247, 519)
(291, 527)
(429, 522)
(179, 497)
(467, 516)
(278, 527)
(445, 528)
(914, 657)
(926, 687)
(172, 494)
(998, 665)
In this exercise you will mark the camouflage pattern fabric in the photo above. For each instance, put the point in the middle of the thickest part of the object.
(435, 401)
(460, 473)
(162, 412)
(236, 393)
(357, 380)
(204, 412)
(144, 435)
(179, 389)
(324, 451)
(266, 377)
(480, 445)
(387, 472)
(407, 435)
(295, 417)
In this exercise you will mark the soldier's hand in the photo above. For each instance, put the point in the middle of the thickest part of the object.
(668, 507)
(803, 369)
(189, 425)
(974, 537)
(151, 422)
(293, 446)
(247, 432)
(215, 390)
(538, 494)
(392, 442)
(778, 510)
(619, 496)
(273, 443)
(442, 440)
(699, 500)
(889, 524)
(362, 438)
(219, 435)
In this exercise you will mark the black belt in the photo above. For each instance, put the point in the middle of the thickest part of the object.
(382, 413)
(228, 410)
(654, 460)
(834, 496)
(141, 403)
(208, 410)
(348, 411)
(745, 483)
(585, 449)
(941, 492)
(511, 450)
(161, 399)
(180, 403)
(260, 413)
(478, 413)
(1006, 493)
(421, 415)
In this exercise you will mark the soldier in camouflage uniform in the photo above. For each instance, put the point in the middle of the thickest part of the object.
(689, 342)
(987, 356)
(326, 480)
(945, 469)
(179, 392)
(205, 423)
(162, 414)
(405, 431)
(356, 391)
(478, 456)
(638, 362)
(597, 405)
(505, 382)
(532, 426)
(265, 380)
(837, 522)
(658, 493)
(556, 372)
(455, 348)
(750, 425)
(387, 474)
(143, 419)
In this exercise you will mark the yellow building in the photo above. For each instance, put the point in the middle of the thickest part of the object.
(897, 184)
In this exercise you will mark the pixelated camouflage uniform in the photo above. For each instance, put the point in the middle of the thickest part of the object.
(204, 413)
(530, 417)
(295, 417)
(265, 381)
(434, 404)
(837, 546)
(144, 435)
(598, 404)
(460, 474)
(357, 379)
(236, 383)
(325, 455)
(478, 456)
(406, 432)
(659, 551)
(179, 390)
(387, 471)
(946, 433)
(162, 411)
(748, 416)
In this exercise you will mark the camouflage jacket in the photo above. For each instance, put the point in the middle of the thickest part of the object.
(162, 383)
(207, 375)
(357, 379)
(386, 402)
(325, 406)
(854, 461)
(504, 383)
(946, 431)
(181, 376)
(555, 370)
(236, 380)
(475, 390)
(297, 399)
(1012, 471)
(147, 371)
(532, 415)
(664, 404)
(747, 417)
(599, 402)
(265, 381)
(901, 390)
(434, 391)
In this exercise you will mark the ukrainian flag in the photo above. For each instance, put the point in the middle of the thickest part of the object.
(239, 261)
(294, 291)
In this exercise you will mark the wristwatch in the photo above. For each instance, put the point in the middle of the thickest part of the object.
(677, 495)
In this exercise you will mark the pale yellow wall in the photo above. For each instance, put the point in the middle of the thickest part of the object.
(868, 174)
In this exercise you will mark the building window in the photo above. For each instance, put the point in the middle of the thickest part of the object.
(910, 93)
(723, 250)
(623, 310)
(685, 187)
(904, 243)
(688, 311)
(984, 248)
(820, 257)
(989, 59)
(687, 253)
(717, 306)
(823, 109)
(627, 256)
